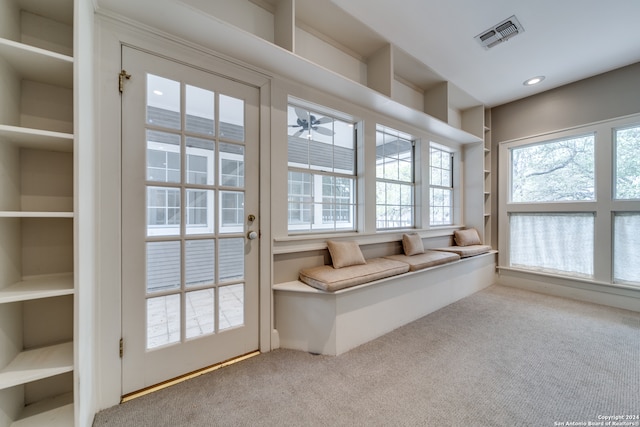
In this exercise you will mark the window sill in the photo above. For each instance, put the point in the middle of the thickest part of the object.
(291, 244)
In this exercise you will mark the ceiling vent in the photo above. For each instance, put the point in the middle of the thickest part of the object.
(499, 33)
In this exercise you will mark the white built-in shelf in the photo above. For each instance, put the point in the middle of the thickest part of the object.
(37, 364)
(40, 65)
(38, 287)
(20, 214)
(37, 138)
(54, 412)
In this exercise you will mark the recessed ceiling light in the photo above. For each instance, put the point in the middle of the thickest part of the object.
(533, 81)
(158, 92)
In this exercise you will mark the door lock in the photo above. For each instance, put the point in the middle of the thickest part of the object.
(251, 217)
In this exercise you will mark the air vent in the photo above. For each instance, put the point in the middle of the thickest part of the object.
(499, 33)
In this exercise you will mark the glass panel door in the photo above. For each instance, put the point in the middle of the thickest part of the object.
(190, 275)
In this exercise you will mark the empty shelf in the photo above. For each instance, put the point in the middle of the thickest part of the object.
(53, 412)
(36, 364)
(40, 65)
(38, 287)
(37, 138)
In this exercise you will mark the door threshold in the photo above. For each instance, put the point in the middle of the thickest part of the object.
(190, 375)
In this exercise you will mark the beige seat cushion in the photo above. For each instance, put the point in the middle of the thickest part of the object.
(331, 279)
(466, 251)
(425, 260)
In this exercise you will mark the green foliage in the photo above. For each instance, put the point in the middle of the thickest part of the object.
(628, 163)
(554, 171)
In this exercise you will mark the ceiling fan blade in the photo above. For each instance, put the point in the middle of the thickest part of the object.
(300, 132)
(323, 120)
(301, 113)
(323, 131)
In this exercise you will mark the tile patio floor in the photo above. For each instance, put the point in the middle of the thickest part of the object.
(163, 314)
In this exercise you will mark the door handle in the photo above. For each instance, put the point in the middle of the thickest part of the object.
(252, 235)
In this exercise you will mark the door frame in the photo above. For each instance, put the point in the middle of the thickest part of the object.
(111, 36)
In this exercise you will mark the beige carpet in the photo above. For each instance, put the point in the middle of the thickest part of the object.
(502, 357)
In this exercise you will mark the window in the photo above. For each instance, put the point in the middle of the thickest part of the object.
(626, 225)
(550, 174)
(394, 179)
(562, 192)
(627, 170)
(626, 247)
(322, 172)
(553, 242)
(554, 171)
(440, 186)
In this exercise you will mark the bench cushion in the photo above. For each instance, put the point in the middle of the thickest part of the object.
(466, 251)
(425, 260)
(331, 279)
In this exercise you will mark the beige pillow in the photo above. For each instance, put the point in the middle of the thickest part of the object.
(412, 244)
(344, 254)
(467, 237)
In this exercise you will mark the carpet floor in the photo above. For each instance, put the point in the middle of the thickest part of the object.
(501, 357)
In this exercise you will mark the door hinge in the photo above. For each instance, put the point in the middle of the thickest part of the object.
(121, 77)
(121, 347)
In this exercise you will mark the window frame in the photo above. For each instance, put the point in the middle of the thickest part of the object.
(316, 202)
(604, 207)
(388, 131)
(432, 186)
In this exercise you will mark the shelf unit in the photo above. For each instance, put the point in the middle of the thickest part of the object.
(37, 287)
(487, 182)
(329, 39)
(332, 39)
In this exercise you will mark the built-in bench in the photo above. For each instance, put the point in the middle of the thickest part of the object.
(339, 308)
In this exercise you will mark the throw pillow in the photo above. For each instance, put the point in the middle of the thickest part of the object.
(412, 244)
(344, 254)
(467, 237)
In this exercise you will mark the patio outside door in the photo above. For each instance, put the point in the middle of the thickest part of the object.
(189, 203)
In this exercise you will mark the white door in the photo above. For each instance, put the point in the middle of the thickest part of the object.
(189, 203)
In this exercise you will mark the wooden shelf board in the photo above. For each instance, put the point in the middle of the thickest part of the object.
(40, 65)
(37, 138)
(54, 412)
(38, 287)
(36, 364)
(20, 214)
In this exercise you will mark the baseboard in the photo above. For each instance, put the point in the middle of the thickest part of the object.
(625, 298)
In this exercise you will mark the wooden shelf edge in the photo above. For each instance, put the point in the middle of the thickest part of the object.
(57, 411)
(37, 138)
(37, 287)
(22, 214)
(37, 364)
(17, 46)
(34, 63)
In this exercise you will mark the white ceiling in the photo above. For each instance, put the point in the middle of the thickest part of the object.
(564, 40)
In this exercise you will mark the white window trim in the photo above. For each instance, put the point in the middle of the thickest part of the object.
(415, 170)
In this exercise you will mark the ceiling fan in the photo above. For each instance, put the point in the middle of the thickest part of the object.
(307, 122)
